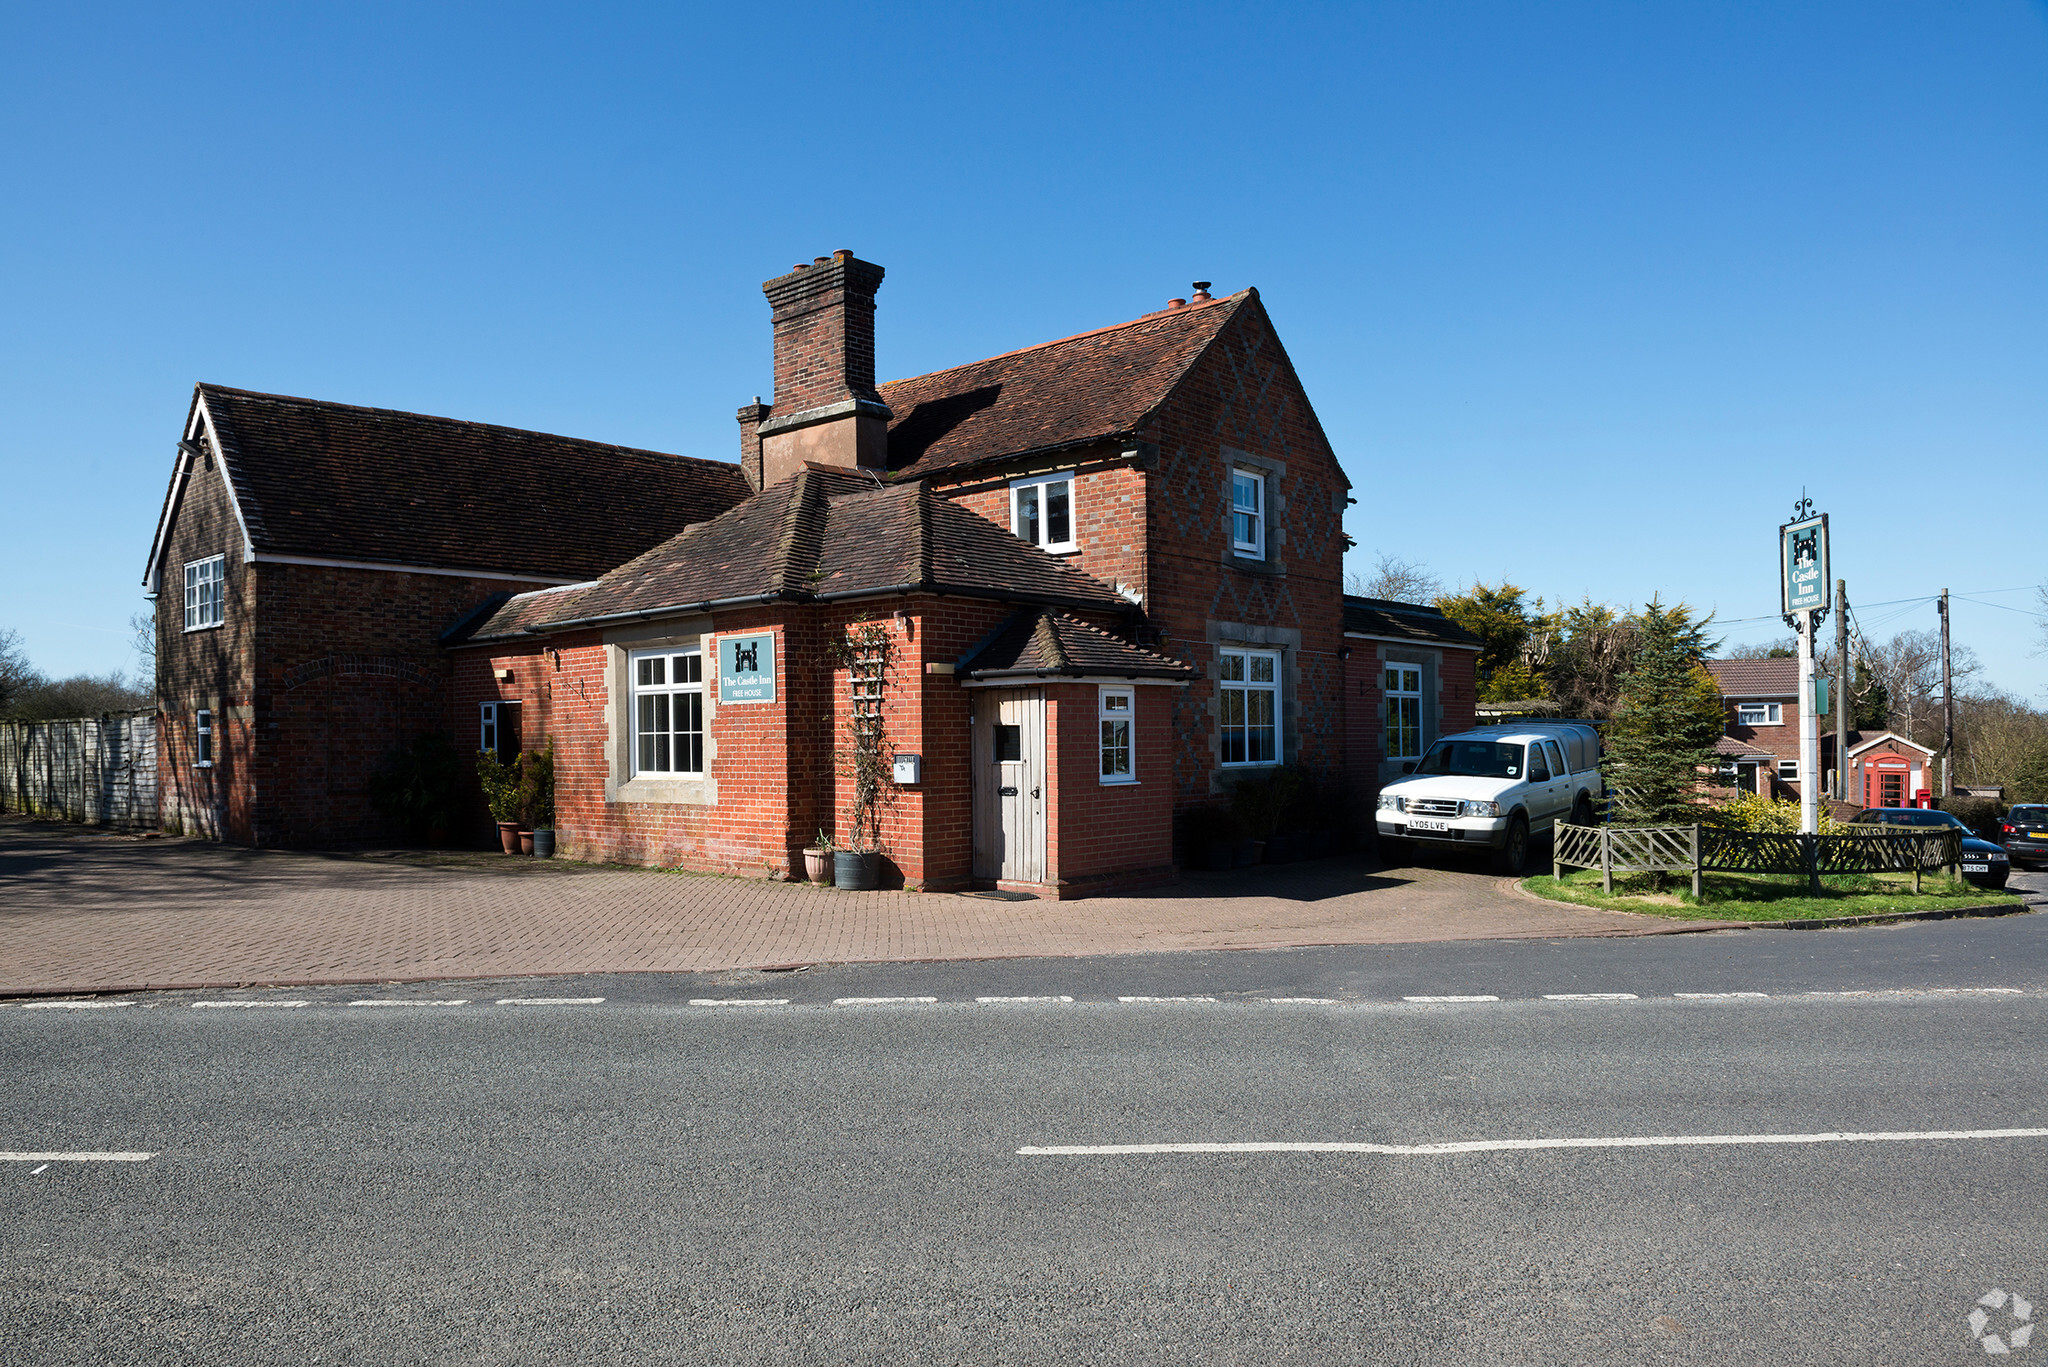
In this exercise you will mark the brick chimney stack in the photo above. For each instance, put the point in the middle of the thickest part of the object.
(825, 407)
(751, 416)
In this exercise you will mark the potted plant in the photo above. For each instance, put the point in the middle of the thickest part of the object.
(818, 860)
(537, 801)
(500, 782)
(1209, 837)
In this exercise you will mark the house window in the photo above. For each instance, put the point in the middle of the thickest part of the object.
(498, 729)
(1403, 686)
(668, 712)
(1250, 711)
(202, 731)
(1248, 513)
(1788, 770)
(205, 602)
(1759, 714)
(1042, 511)
(1115, 710)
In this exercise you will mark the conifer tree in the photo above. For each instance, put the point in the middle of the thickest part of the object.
(1666, 721)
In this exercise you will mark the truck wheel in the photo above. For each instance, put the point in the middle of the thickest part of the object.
(1513, 855)
(1582, 811)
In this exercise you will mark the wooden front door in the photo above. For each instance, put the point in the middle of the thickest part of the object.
(1009, 785)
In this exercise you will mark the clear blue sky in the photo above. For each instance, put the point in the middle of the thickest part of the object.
(1583, 293)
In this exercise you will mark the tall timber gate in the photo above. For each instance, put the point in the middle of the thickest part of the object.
(97, 770)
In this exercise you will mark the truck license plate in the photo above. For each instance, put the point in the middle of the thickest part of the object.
(1976, 868)
(1424, 824)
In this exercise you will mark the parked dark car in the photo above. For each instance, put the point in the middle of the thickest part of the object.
(1984, 863)
(2025, 831)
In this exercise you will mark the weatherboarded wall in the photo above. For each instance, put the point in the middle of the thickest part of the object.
(96, 770)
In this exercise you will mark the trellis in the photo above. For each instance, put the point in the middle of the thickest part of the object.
(1700, 849)
(865, 652)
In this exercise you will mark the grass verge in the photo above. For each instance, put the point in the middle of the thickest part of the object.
(1765, 897)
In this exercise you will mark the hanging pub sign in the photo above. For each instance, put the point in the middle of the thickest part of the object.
(1803, 561)
(746, 668)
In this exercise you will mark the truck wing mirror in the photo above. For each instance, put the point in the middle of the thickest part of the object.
(1408, 766)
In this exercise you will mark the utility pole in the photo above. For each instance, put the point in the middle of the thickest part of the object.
(1841, 690)
(1948, 709)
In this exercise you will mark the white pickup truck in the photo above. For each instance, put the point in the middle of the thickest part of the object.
(1494, 788)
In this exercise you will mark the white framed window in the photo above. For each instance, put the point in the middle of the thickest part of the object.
(1788, 770)
(1402, 686)
(668, 712)
(1115, 708)
(1249, 711)
(1759, 714)
(202, 739)
(205, 592)
(1042, 511)
(1248, 513)
(498, 729)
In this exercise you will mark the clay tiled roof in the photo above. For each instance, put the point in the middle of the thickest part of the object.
(824, 533)
(1045, 643)
(1059, 394)
(1404, 621)
(335, 481)
(1730, 748)
(1756, 678)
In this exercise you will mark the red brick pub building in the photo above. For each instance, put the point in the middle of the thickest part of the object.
(1082, 586)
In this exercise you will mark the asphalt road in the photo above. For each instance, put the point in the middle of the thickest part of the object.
(645, 1179)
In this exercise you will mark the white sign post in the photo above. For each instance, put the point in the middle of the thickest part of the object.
(1804, 568)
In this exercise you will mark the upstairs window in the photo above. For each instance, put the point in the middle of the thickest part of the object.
(1249, 706)
(205, 596)
(1403, 689)
(1759, 714)
(1114, 712)
(1042, 511)
(668, 713)
(1248, 513)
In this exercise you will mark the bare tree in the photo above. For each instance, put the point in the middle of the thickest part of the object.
(16, 673)
(1782, 648)
(142, 627)
(1397, 580)
(1908, 670)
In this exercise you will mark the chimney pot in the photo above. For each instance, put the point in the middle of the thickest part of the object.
(1201, 290)
(842, 255)
(801, 266)
(823, 260)
(1176, 304)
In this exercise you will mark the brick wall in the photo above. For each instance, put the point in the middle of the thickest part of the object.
(1101, 836)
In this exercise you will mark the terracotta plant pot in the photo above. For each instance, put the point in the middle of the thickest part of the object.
(526, 842)
(818, 865)
(508, 836)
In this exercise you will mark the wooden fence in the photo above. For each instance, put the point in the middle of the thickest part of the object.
(96, 770)
(1699, 849)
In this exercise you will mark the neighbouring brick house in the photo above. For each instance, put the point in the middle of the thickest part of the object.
(1092, 583)
(1759, 748)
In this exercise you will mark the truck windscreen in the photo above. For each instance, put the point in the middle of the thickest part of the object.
(1472, 759)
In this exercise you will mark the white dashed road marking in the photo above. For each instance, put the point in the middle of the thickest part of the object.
(1166, 999)
(1299, 1001)
(1589, 997)
(550, 1001)
(1516, 1145)
(411, 1001)
(70, 1006)
(1711, 996)
(739, 1001)
(1450, 999)
(1025, 1001)
(884, 1001)
(74, 1157)
(279, 1004)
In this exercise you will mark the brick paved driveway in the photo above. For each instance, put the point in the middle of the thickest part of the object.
(83, 911)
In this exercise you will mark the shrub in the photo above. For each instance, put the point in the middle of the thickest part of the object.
(1263, 803)
(537, 787)
(417, 789)
(1755, 812)
(1201, 827)
(500, 782)
(1980, 814)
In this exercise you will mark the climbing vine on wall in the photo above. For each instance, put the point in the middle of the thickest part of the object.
(866, 757)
